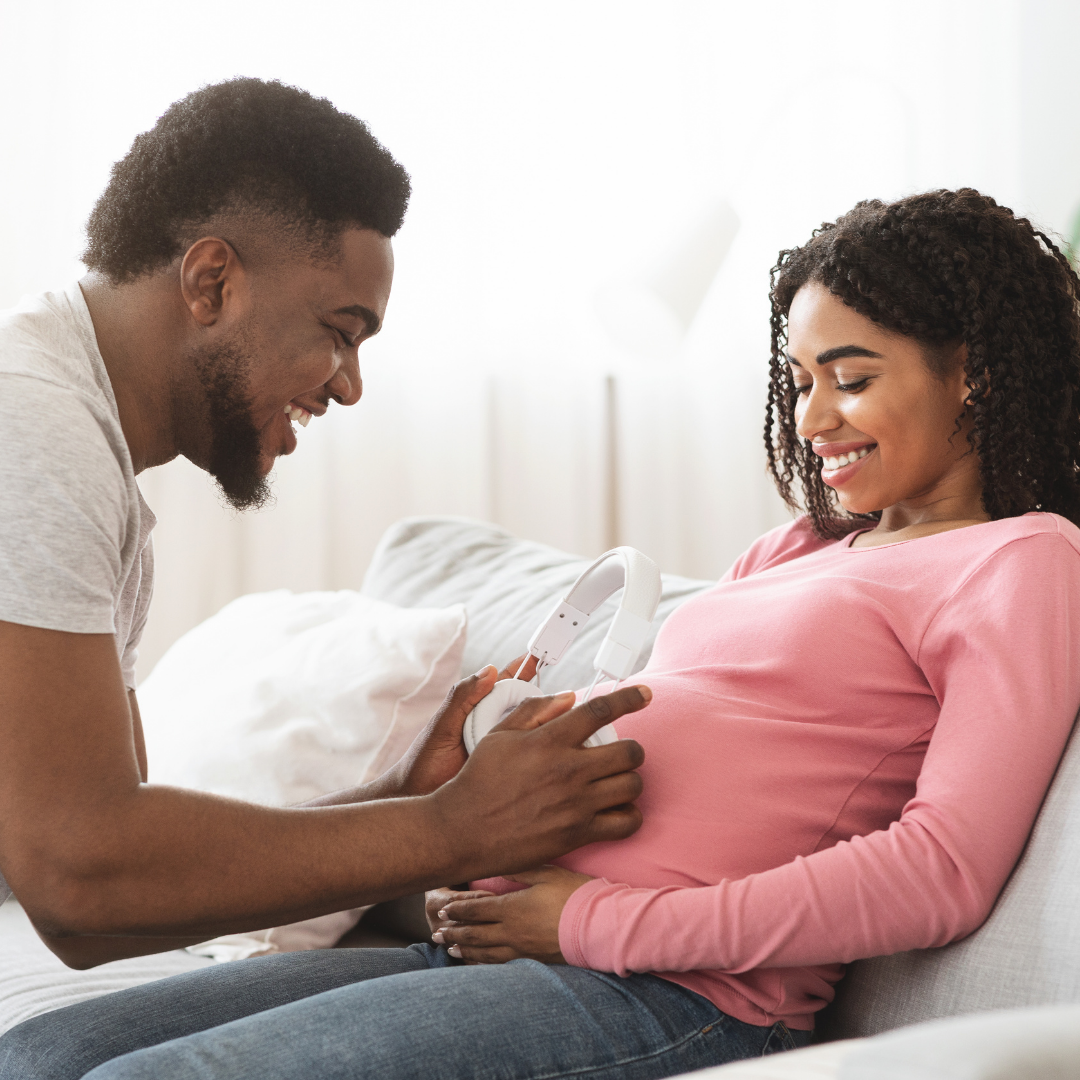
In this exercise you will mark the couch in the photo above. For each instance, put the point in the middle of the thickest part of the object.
(1024, 960)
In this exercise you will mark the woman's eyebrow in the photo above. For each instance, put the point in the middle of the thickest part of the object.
(839, 353)
(843, 351)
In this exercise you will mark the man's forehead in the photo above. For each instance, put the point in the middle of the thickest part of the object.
(361, 275)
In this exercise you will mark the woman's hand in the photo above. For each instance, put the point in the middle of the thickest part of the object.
(481, 928)
(438, 752)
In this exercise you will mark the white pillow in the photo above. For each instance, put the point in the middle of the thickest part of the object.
(279, 698)
(282, 697)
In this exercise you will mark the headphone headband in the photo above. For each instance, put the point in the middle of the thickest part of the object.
(620, 648)
(621, 566)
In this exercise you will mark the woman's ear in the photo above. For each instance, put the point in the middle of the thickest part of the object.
(958, 365)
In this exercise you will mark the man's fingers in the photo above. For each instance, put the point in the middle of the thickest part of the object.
(581, 721)
(584, 720)
(616, 789)
(615, 824)
(536, 711)
(597, 762)
(527, 672)
(464, 696)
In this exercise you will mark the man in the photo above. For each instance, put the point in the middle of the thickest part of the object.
(238, 258)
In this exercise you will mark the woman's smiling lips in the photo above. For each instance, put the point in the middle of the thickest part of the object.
(842, 460)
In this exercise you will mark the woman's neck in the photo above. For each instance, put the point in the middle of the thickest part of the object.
(956, 504)
(879, 535)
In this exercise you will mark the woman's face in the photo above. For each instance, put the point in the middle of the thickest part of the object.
(885, 426)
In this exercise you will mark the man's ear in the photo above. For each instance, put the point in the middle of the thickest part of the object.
(212, 278)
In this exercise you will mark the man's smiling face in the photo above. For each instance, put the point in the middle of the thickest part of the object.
(290, 353)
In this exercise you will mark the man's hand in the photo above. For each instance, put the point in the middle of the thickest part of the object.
(438, 752)
(531, 791)
(482, 928)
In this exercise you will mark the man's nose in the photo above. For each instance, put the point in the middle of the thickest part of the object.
(346, 386)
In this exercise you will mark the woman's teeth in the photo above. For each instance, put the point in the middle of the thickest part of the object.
(839, 462)
(301, 416)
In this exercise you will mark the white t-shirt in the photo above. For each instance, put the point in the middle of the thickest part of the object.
(75, 551)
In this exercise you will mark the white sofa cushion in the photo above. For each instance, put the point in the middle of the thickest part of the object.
(810, 1063)
(1021, 1044)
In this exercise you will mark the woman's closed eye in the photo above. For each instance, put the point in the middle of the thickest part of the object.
(853, 387)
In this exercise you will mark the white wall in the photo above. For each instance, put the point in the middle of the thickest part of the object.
(554, 148)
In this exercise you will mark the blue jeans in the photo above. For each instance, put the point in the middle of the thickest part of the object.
(340, 1014)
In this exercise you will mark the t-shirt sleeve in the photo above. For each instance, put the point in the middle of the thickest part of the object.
(143, 594)
(63, 525)
(1000, 657)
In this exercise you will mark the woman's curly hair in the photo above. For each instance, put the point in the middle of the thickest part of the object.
(946, 267)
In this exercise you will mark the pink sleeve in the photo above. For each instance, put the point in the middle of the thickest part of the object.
(1000, 657)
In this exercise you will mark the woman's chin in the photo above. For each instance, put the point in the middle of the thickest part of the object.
(852, 504)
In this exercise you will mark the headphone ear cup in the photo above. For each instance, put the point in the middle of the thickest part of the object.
(506, 695)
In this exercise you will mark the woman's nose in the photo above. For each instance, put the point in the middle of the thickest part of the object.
(818, 415)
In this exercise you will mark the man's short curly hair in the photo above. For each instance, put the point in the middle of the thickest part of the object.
(243, 145)
(944, 268)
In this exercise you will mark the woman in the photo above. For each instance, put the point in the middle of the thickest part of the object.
(848, 741)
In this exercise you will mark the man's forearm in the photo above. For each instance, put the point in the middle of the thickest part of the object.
(93, 852)
(82, 952)
(185, 864)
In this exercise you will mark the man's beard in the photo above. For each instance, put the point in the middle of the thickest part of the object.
(235, 449)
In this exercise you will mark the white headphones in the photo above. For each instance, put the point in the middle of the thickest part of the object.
(618, 652)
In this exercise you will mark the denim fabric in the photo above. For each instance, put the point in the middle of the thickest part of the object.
(348, 1013)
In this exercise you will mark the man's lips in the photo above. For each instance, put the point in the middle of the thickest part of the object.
(302, 414)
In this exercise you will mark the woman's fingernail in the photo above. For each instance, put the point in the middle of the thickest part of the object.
(455, 952)
(437, 937)
(484, 670)
(645, 692)
(442, 916)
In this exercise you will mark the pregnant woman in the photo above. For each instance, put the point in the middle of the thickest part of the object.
(848, 740)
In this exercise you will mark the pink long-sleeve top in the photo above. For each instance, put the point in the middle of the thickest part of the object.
(844, 754)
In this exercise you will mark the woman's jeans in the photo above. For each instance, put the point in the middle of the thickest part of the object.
(339, 1014)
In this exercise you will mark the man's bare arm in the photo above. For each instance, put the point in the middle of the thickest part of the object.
(91, 850)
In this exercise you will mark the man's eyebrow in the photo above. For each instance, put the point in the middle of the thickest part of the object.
(358, 311)
(841, 352)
